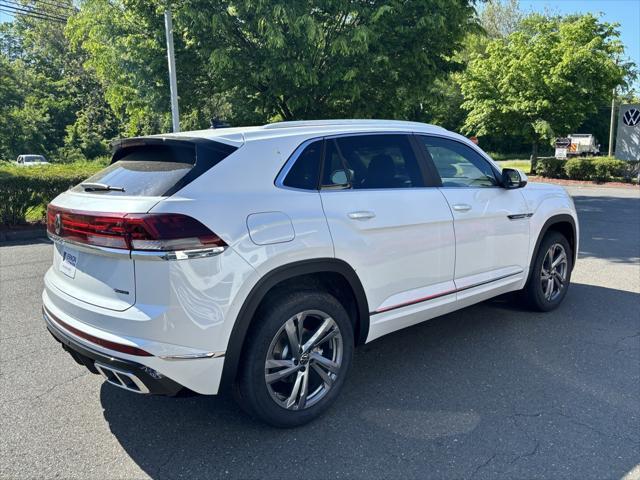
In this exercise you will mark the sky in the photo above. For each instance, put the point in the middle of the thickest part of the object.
(624, 12)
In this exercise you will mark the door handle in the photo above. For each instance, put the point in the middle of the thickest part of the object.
(462, 207)
(361, 215)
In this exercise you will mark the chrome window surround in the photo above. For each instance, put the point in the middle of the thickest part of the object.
(279, 181)
(139, 254)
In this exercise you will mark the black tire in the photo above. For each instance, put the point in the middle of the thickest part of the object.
(534, 292)
(260, 399)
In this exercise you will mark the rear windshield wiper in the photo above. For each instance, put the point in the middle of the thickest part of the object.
(100, 187)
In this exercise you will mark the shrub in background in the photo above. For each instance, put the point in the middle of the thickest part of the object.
(607, 169)
(27, 189)
(579, 168)
(551, 167)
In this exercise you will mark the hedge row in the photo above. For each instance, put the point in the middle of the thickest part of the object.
(598, 169)
(25, 191)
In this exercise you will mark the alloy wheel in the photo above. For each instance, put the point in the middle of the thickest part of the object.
(304, 360)
(553, 275)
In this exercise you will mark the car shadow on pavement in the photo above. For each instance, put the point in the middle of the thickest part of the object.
(489, 391)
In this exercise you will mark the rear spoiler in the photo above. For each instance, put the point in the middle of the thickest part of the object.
(201, 145)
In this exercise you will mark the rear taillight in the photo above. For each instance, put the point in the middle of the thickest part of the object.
(131, 231)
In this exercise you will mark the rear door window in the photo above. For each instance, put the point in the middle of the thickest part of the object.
(154, 170)
(372, 162)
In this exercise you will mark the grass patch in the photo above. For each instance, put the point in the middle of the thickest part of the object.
(501, 157)
(524, 165)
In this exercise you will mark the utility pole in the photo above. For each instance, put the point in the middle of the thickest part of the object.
(173, 85)
(613, 115)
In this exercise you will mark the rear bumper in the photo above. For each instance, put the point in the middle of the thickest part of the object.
(161, 368)
(122, 373)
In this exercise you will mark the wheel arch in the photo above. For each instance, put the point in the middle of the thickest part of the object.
(566, 225)
(280, 276)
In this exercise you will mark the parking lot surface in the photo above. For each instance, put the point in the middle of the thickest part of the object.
(492, 391)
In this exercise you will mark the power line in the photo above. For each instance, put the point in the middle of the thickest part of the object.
(30, 9)
(21, 9)
(67, 7)
(29, 13)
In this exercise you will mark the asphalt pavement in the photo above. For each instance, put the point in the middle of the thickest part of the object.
(492, 391)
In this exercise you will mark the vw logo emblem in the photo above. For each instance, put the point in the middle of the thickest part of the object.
(631, 117)
(57, 224)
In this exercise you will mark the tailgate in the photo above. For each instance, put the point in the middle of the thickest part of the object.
(100, 276)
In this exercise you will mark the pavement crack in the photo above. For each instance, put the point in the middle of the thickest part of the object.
(627, 337)
(60, 384)
(483, 465)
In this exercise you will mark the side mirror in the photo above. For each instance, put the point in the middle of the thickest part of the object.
(512, 178)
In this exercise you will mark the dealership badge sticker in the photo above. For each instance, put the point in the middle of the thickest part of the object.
(631, 117)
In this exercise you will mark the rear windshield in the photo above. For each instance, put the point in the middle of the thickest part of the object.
(154, 170)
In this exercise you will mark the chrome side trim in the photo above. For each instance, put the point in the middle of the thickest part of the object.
(442, 294)
(194, 356)
(139, 254)
(520, 216)
(178, 254)
(119, 378)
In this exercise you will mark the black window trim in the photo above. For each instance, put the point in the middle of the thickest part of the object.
(427, 175)
(432, 166)
(430, 174)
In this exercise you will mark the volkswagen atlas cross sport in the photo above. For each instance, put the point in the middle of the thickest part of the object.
(257, 258)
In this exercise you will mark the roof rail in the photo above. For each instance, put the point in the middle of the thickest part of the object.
(352, 122)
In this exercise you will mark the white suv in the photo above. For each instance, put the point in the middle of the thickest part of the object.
(258, 257)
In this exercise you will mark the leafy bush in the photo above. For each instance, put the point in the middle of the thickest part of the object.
(26, 190)
(580, 168)
(551, 167)
(607, 169)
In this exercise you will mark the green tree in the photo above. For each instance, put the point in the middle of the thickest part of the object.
(45, 91)
(255, 61)
(544, 79)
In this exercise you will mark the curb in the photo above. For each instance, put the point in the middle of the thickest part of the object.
(23, 234)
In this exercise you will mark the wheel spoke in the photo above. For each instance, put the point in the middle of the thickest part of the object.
(549, 290)
(301, 316)
(304, 390)
(326, 325)
(557, 280)
(330, 365)
(279, 375)
(561, 258)
(291, 401)
(292, 335)
(326, 378)
(275, 363)
(333, 333)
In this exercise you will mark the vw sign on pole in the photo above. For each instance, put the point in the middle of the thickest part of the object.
(628, 137)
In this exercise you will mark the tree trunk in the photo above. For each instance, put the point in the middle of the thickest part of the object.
(534, 155)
